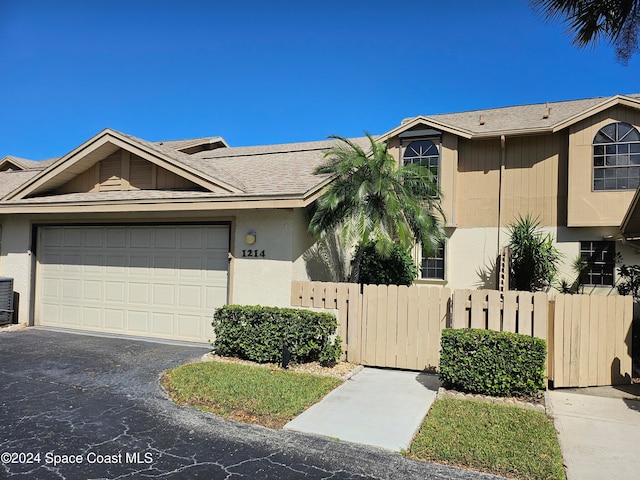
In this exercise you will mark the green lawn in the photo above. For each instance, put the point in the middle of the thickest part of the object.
(250, 394)
(498, 439)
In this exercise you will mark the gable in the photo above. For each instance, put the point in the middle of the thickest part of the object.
(123, 170)
(153, 167)
(9, 166)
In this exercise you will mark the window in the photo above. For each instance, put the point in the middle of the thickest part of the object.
(433, 266)
(600, 258)
(616, 158)
(425, 153)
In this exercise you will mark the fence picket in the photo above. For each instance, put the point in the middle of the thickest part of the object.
(588, 336)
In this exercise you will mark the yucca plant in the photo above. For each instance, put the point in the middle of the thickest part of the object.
(534, 258)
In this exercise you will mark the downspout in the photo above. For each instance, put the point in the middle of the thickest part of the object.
(503, 143)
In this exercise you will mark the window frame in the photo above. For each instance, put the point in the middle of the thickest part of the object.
(616, 150)
(436, 141)
(424, 268)
(603, 266)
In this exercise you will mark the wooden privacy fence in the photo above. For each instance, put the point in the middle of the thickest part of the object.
(591, 340)
(588, 336)
(399, 326)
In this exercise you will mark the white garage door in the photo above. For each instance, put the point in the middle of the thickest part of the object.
(155, 281)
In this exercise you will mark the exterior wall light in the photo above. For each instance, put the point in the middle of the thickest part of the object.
(250, 238)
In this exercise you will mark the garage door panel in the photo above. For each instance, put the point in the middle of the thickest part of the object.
(114, 292)
(139, 293)
(114, 320)
(109, 283)
(138, 322)
(92, 291)
(140, 238)
(92, 317)
(93, 238)
(116, 238)
(191, 239)
(71, 290)
(165, 238)
(73, 238)
(162, 323)
(189, 326)
(71, 316)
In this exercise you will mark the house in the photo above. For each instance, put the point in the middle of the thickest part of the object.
(123, 235)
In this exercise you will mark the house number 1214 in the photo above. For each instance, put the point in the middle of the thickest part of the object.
(253, 253)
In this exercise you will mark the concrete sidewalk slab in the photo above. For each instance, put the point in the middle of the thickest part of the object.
(382, 408)
(599, 432)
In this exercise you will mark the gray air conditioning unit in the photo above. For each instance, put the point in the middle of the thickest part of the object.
(6, 300)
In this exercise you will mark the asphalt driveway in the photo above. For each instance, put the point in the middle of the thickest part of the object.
(77, 406)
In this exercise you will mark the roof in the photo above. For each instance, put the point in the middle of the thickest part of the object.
(25, 164)
(243, 173)
(520, 119)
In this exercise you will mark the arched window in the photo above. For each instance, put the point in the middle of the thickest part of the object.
(616, 157)
(423, 152)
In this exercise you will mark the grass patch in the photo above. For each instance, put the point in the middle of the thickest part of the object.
(494, 438)
(250, 394)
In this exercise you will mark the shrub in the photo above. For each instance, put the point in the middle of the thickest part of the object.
(258, 333)
(396, 269)
(534, 258)
(492, 363)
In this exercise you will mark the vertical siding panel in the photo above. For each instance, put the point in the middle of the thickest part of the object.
(604, 369)
(494, 311)
(330, 290)
(391, 337)
(356, 318)
(413, 330)
(585, 329)
(403, 330)
(341, 295)
(509, 312)
(423, 327)
(381, 331)
(540, 315)
(318, 294)
(477, 309)
(611, 336)
(307, 295)
(558, 341)
(296, 293)
(565, 355)
(525, 313)
(594, 325)
(434, 327)
(627, 362)
(574, 367)
(369, 324)
(460, 298)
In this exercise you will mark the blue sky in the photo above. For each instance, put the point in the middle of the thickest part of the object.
(257, 72)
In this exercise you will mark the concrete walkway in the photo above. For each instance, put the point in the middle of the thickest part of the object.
(599, 431)
(382, 408)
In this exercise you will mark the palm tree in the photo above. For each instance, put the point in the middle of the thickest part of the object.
(615, 21)
(373, 200)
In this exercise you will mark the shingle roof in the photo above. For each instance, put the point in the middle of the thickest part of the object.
(9, 181)
(520, 117)
(190, 142)
(26, 164)
(273, 169)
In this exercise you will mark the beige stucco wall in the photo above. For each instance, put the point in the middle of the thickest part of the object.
(264, 280)
(471, 255)
(15, 260)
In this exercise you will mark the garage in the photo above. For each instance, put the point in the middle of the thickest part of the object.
(160, 281)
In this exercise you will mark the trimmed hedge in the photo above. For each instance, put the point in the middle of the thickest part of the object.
(258, 333)
(492, 363)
